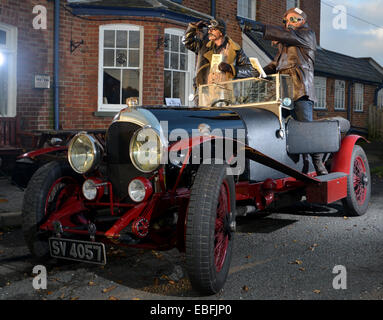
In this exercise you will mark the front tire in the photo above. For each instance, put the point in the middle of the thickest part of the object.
(358, 184)
(209, 238)
(49, 187)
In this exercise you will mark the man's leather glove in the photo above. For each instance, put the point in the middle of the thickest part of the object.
(255, 26)
(199, 24)
(225, 67)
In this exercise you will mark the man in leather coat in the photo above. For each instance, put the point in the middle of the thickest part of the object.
(296, 57)
(235, 63)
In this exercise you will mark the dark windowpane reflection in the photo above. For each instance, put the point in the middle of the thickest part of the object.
(166, 63)
(134, 39)
(112, 86)
(122, 39)
(168, 84)
(174, 61)
(179, 86)
(134, 58)
(108, 58)
(109, 38)
(175, 43)
(130, 84)
(121, 58)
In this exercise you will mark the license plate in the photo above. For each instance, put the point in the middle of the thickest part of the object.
(84, 251)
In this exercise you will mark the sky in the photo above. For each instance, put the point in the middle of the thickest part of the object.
(355, 28)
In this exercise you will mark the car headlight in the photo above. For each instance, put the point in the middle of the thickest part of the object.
(140, 189)
(84, 153)
(146, 150)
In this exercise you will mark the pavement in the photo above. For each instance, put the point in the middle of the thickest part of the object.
(11, 196)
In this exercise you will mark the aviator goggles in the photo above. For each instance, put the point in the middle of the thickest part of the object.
(213, 24)
(293, 20)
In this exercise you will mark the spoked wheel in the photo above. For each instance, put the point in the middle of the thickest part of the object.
(358, 184)
(209, 229)
(50, 186)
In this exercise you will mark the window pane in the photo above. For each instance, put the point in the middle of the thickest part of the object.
(134, 39)
(168, 84)
(3, 37)
(183, 62)
(167, 41)
(174, 61)
(122, 39)
(182, 47)
(108, 58)
(179, 86)
(166, 62)
(175, 43)
(4, 89)
(134, 58)
(112, 85)
(121, 58)
(130, 84)
(109, 38)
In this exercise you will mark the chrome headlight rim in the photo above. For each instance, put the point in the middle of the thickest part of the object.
(96, 150)
(133, 140)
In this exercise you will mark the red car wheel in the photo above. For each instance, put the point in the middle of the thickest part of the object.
(209, 235)
(358, 184)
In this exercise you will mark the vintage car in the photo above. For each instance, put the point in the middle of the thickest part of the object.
(177, 177)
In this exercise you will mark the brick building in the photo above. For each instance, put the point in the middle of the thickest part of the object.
(112, 50)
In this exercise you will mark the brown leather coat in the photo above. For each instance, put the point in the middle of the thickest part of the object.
(239, 62)
(296, 57)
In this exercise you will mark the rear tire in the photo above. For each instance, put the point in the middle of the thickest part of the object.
(48, 188)
(209, 239)
(358, 184)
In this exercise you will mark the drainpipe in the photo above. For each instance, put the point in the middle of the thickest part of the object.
(213, 8)
(56, 64)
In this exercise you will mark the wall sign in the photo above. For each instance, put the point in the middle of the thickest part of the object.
(42, 81)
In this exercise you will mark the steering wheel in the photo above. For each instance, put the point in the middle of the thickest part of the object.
(218, 101)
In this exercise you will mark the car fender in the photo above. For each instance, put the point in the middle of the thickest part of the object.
(341, 161)
(36, 153)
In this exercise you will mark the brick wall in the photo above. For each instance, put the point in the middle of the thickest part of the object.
(34, 56)
(358, 119)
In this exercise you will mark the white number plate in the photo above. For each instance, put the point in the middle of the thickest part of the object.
(84, 251)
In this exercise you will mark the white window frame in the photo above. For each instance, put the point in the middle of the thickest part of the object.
(190, 72)
(340, 95)
(321, 93)
(124, 27)
(380, 99)
(358, 97)
(9, 50)
(240, 9)
(289, 4)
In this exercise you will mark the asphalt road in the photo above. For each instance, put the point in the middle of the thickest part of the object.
(288, 255)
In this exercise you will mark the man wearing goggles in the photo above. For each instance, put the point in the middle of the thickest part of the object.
(296, 43)
(209, 38)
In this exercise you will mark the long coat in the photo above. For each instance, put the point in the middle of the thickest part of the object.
(296, 57)
(235, 57)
